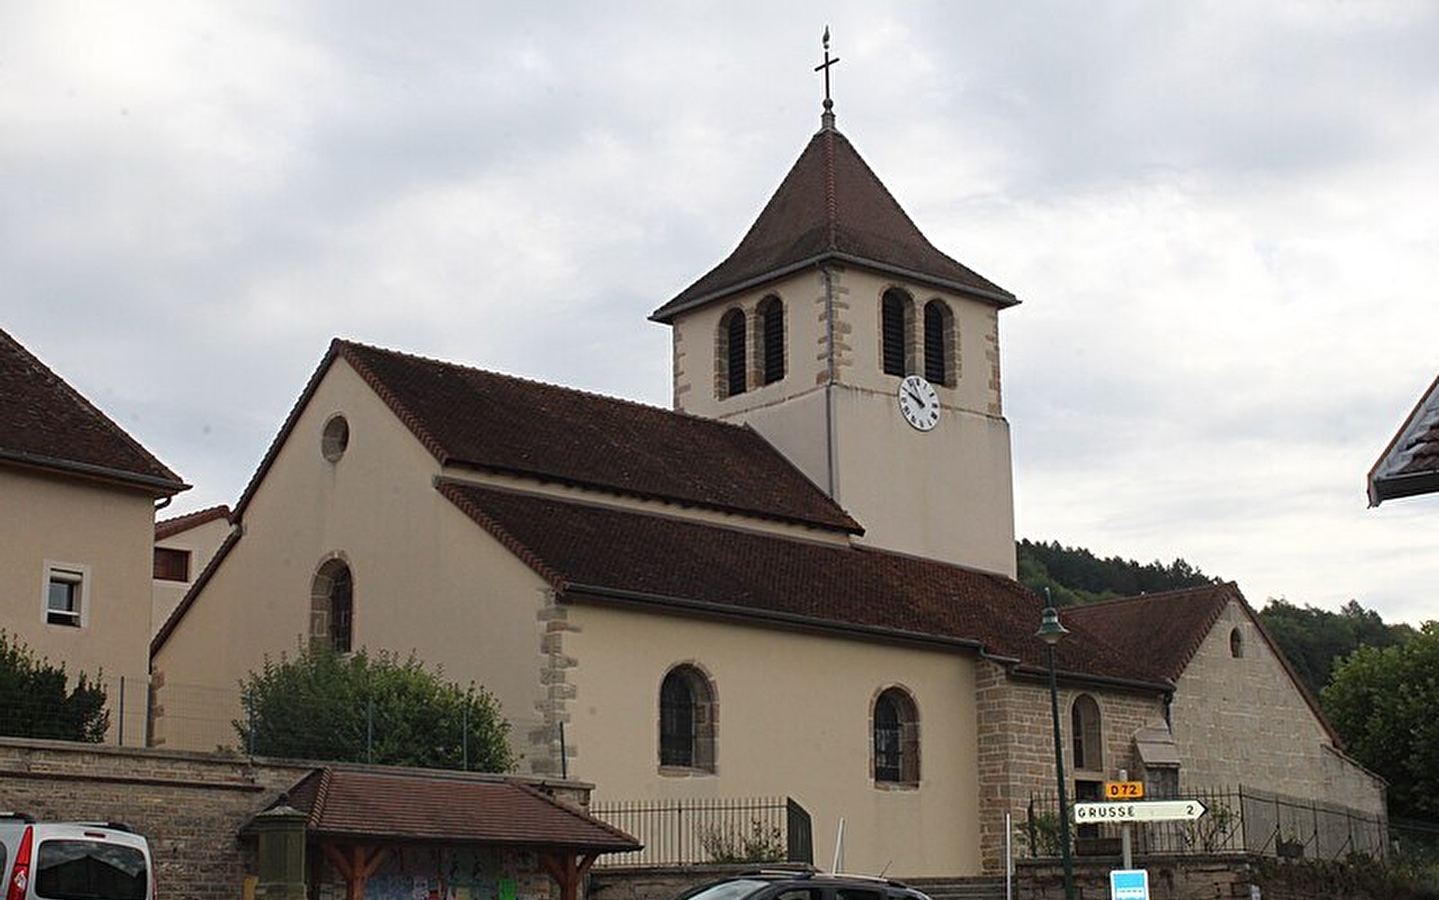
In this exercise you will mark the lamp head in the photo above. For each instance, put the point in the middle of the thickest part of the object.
(1050, 631)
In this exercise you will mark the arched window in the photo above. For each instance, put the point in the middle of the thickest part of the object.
(1236, 643)
(771, 322)
(332, 604)
(894, 315)
(939, 355)
(732, 357)
(1087, 734)
(896, 738)
(687, 720)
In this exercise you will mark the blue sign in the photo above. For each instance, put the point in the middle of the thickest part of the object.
(1129, 884)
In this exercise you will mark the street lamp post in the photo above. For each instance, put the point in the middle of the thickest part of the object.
(1050, 631)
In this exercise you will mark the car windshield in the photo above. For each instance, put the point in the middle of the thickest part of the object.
(89, 870)
(733, 889)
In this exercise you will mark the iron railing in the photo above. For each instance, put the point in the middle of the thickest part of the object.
(1238, 820)
(688, 832)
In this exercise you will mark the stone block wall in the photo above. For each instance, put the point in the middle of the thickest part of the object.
(190, 806)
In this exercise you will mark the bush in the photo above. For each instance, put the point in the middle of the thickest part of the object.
(37, 701)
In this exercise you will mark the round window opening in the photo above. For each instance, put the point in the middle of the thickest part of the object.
(335, 438)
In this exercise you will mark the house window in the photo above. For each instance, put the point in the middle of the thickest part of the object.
(335, 438)
(896, 738)
(332, 603)
(1086, 733)
(894, 314)
(939, 356)
(65, 590)
(1236, 643)
(732, 357)
(771, 321)
(687, 720)
(172, 564)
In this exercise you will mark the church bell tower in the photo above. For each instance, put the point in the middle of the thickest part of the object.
(868, 357)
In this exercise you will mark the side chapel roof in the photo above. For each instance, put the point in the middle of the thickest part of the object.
(425, 805)
(1410, 464)
(471, 418)
(46, 423)
(831, 206)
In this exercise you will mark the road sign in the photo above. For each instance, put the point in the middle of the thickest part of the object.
(1129, 884)
(1138, 811)
(1123, 790)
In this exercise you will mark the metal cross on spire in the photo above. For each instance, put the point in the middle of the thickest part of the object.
(827, 119)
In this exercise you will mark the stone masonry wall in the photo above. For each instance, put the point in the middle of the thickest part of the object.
(1243, 720)
(190, 806)
(1016, 746)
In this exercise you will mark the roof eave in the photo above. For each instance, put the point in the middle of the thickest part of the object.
(1001, 299)
(164, 487)
(1397, 487)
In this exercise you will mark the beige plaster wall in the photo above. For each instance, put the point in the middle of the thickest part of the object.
(426, 578)
(946, 493)
(106, 533)
(201, 541)
(794, 719)
(1244, 721)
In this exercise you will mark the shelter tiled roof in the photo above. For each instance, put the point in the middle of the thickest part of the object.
(470, 418)
(168, 528)
(831, 206)
(420, 806)
(45, 422)
(1410, 464)
(611, 555)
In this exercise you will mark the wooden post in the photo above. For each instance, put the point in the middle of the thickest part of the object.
(356, 868)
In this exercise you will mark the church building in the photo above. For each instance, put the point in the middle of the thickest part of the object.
(799, 582)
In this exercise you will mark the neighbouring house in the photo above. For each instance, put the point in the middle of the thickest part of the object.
(184, 546)
(800, 582)
(78, 496)
(1409, 465)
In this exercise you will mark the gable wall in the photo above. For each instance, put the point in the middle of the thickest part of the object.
(1245, 721)
(426, 578)
(107, 532)
(794, 719)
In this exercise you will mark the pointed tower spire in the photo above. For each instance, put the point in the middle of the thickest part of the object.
(826, 118)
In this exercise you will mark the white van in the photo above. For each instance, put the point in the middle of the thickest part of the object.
(73, 861)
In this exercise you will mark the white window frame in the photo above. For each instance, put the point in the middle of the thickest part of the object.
(72, 573)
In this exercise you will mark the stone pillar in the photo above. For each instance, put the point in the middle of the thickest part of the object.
(282, 854)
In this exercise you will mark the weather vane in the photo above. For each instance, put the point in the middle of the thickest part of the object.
(824, 67)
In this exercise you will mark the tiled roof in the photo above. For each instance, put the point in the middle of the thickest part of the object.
(831, 206)
(45, 422)
(168, 528)
(470, 418)
(431, 806)
(1164, 630)
(589, 551)
(1410, 464)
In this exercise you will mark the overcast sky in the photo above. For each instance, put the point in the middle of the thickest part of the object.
(1220, 218)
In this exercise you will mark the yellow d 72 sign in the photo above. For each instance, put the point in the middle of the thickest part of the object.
(1123, 790)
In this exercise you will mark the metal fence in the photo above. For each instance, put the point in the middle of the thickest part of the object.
(686, 832)
(1238, 820)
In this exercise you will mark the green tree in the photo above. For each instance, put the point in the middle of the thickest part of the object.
(1314, 639)
(1382, 702)
(38, 701)
(355, 708)
(1075, 575)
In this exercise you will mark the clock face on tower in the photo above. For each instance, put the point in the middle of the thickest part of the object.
(918, 402)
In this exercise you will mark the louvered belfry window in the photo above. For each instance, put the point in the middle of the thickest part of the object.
(771, 314)
(936, 342)
(733, 329)
(892, 317)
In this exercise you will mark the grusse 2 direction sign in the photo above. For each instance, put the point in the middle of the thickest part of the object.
(1138, 811)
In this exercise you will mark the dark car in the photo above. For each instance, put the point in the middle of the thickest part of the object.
(787, 884)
